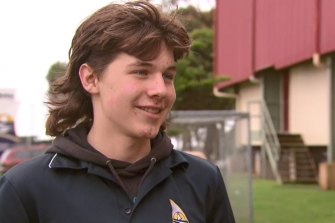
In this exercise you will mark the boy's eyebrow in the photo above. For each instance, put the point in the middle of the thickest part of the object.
(140, 63)
(172, 67)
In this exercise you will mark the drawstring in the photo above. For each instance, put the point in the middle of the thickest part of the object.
(116, 175)
(153, 161)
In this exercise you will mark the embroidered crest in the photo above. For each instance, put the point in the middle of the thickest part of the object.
(178, 216)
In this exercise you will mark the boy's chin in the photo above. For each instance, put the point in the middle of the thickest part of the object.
(150, 133)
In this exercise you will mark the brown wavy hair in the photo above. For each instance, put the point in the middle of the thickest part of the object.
(136, 28)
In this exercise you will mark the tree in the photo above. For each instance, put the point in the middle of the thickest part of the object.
(193, 18)
(56, 70)
(195, 77)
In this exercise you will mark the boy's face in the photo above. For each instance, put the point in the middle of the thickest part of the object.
(134, 97)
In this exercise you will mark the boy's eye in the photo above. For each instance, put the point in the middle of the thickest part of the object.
(141, 73)
(168, 76)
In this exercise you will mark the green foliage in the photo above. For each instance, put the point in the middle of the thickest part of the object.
(193, 19)
(194, 80)
(199, 96)
(56, 70)
(197, 66)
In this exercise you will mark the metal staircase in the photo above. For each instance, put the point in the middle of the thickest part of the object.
(289, 158)
(295, 164)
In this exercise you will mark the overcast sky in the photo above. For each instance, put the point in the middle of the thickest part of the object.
(34, 35)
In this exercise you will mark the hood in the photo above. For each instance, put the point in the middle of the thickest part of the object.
(74, 144)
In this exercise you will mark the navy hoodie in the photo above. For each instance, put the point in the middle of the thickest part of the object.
(73, 183)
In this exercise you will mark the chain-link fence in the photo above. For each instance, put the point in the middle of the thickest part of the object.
(223, 137)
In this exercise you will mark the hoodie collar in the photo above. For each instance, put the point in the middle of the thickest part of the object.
(74, 144)
(59, 161)
(74, 151)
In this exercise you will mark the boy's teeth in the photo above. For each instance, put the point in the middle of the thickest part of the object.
(151, 110)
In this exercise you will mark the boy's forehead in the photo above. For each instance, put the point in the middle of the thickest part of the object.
(148, 53)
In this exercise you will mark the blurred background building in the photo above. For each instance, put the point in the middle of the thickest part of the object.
(280, 58)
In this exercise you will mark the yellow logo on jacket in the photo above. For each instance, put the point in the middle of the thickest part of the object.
(178, 216)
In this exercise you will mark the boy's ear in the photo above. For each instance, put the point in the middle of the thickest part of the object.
(88, 79)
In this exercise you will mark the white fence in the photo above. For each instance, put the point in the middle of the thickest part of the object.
(224, 138)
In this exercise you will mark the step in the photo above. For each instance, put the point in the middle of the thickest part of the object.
(290, 145)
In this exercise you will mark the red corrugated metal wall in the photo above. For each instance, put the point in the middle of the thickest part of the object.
(284, 32)
(327, 32)
(252, 35)
(233, 39)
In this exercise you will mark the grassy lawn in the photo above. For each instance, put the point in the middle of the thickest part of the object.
(275, 203)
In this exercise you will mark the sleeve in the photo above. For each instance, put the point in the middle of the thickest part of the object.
(220, 210)
(11, 208)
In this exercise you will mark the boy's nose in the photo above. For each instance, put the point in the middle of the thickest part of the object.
(158, 86)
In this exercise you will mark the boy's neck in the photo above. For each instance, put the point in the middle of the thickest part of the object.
(118, 147)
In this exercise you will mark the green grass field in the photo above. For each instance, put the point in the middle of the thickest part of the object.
(274, 203)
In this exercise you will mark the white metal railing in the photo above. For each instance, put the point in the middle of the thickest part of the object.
(270, 141)
(269, 132)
